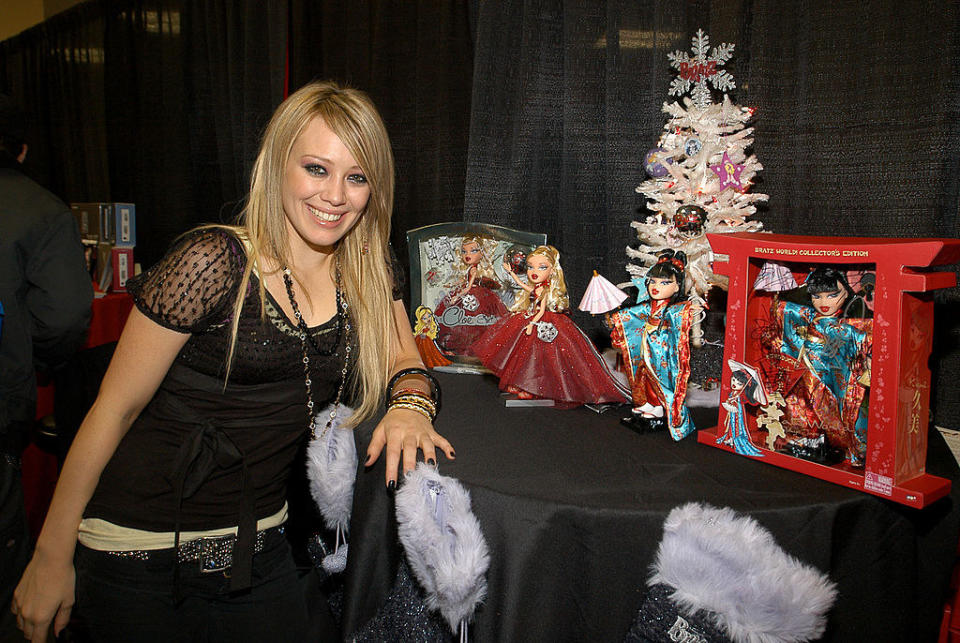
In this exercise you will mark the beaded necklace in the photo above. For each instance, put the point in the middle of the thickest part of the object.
(343, 321)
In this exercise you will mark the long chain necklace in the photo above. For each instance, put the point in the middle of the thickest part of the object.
(343, 321)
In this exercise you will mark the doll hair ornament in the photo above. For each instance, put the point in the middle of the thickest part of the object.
(537, 351)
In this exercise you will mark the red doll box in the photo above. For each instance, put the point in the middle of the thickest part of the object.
(881, 388)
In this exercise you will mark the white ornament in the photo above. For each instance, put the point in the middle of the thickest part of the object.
(470, 303)
(701, 69)
(546, 332)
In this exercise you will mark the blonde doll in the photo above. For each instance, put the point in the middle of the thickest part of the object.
(538, 351)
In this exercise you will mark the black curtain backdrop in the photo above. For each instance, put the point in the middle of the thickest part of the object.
(856, 124)
(415, 61)
(533, 114)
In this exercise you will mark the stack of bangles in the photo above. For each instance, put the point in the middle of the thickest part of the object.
(414, 399)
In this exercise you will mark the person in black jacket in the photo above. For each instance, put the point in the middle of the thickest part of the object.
(46, 295)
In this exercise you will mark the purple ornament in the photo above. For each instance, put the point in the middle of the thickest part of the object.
(655, 163)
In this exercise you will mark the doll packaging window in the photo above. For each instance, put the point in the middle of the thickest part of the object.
(826, 357)
(458, 287)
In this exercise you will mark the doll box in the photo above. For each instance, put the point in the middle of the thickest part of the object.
(898, 383)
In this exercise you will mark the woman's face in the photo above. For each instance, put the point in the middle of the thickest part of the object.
(831, 302)
(470, 253)
(661, 288)
(737, 384)
(539, 269)
(324, 191)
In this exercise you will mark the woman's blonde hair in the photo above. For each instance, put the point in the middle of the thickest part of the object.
(555, 294)
(361, 255)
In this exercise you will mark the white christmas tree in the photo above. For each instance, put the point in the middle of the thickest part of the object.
(700, 172)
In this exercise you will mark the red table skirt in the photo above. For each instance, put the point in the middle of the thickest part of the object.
(108, 315)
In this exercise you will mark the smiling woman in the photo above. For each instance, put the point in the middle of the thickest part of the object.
(240, 335)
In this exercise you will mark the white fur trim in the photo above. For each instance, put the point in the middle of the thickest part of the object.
(731, 567)
(443, 542)
(332, 469)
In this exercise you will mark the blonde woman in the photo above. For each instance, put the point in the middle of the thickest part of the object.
(425, 334)
(176, 483)
(538, 351)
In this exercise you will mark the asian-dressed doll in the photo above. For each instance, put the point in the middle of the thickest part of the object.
(472, 305)
(654, 338)
(824, 347)
(745, 386)
(425, 334)
(538, 351)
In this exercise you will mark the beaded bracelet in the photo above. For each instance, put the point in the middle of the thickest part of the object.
(420, 398)
(434, 384)
(412, 407)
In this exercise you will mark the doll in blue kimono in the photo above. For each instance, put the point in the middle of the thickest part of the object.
(654, 339)
(824, 348)
(744, 387)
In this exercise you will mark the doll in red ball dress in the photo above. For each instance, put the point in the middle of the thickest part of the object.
(466, 311)
(537, 351)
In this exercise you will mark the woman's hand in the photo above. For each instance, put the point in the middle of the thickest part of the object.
(44, 595)
(529, 328)
(402, 432)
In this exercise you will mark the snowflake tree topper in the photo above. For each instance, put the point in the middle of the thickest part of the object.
(701, 69)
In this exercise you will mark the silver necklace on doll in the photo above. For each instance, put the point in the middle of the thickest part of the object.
(343, 322)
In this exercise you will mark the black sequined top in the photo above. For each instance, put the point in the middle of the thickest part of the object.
(172, 453)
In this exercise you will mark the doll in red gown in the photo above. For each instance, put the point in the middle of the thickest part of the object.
(466, 311)
(537, 351)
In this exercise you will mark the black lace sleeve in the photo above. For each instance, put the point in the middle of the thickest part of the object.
(195, 285)
(399, 277)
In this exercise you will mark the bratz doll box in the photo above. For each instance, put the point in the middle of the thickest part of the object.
(459, 287)
(826, 357)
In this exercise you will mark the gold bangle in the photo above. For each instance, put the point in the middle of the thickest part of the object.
(403, 405)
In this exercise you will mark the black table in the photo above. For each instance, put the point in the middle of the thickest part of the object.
(572, 506)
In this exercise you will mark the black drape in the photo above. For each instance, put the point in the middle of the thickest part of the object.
(534, 114)
(55, 70)
(155, 102)
(414, 59)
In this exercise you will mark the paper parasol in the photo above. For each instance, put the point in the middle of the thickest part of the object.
(601, 296)
(774, 277)
(761, 393)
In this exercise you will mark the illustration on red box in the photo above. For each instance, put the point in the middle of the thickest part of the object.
(837, 333)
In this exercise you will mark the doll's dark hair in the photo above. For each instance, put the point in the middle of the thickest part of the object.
(670, 264)
(825, 279)
(750, 383)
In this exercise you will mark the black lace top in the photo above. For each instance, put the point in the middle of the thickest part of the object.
(152, 481)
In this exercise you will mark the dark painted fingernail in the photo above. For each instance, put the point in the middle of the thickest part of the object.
(432, 462)
(391, 485)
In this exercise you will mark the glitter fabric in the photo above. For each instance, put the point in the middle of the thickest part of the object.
(403, 617)
(659, 619)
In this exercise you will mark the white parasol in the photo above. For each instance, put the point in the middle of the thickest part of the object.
(601, 296)
(761, 393)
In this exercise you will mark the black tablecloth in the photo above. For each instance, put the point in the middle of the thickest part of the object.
(572, 506)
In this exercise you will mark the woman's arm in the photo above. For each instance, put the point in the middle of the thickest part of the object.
(142, 358)
(403, 431)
